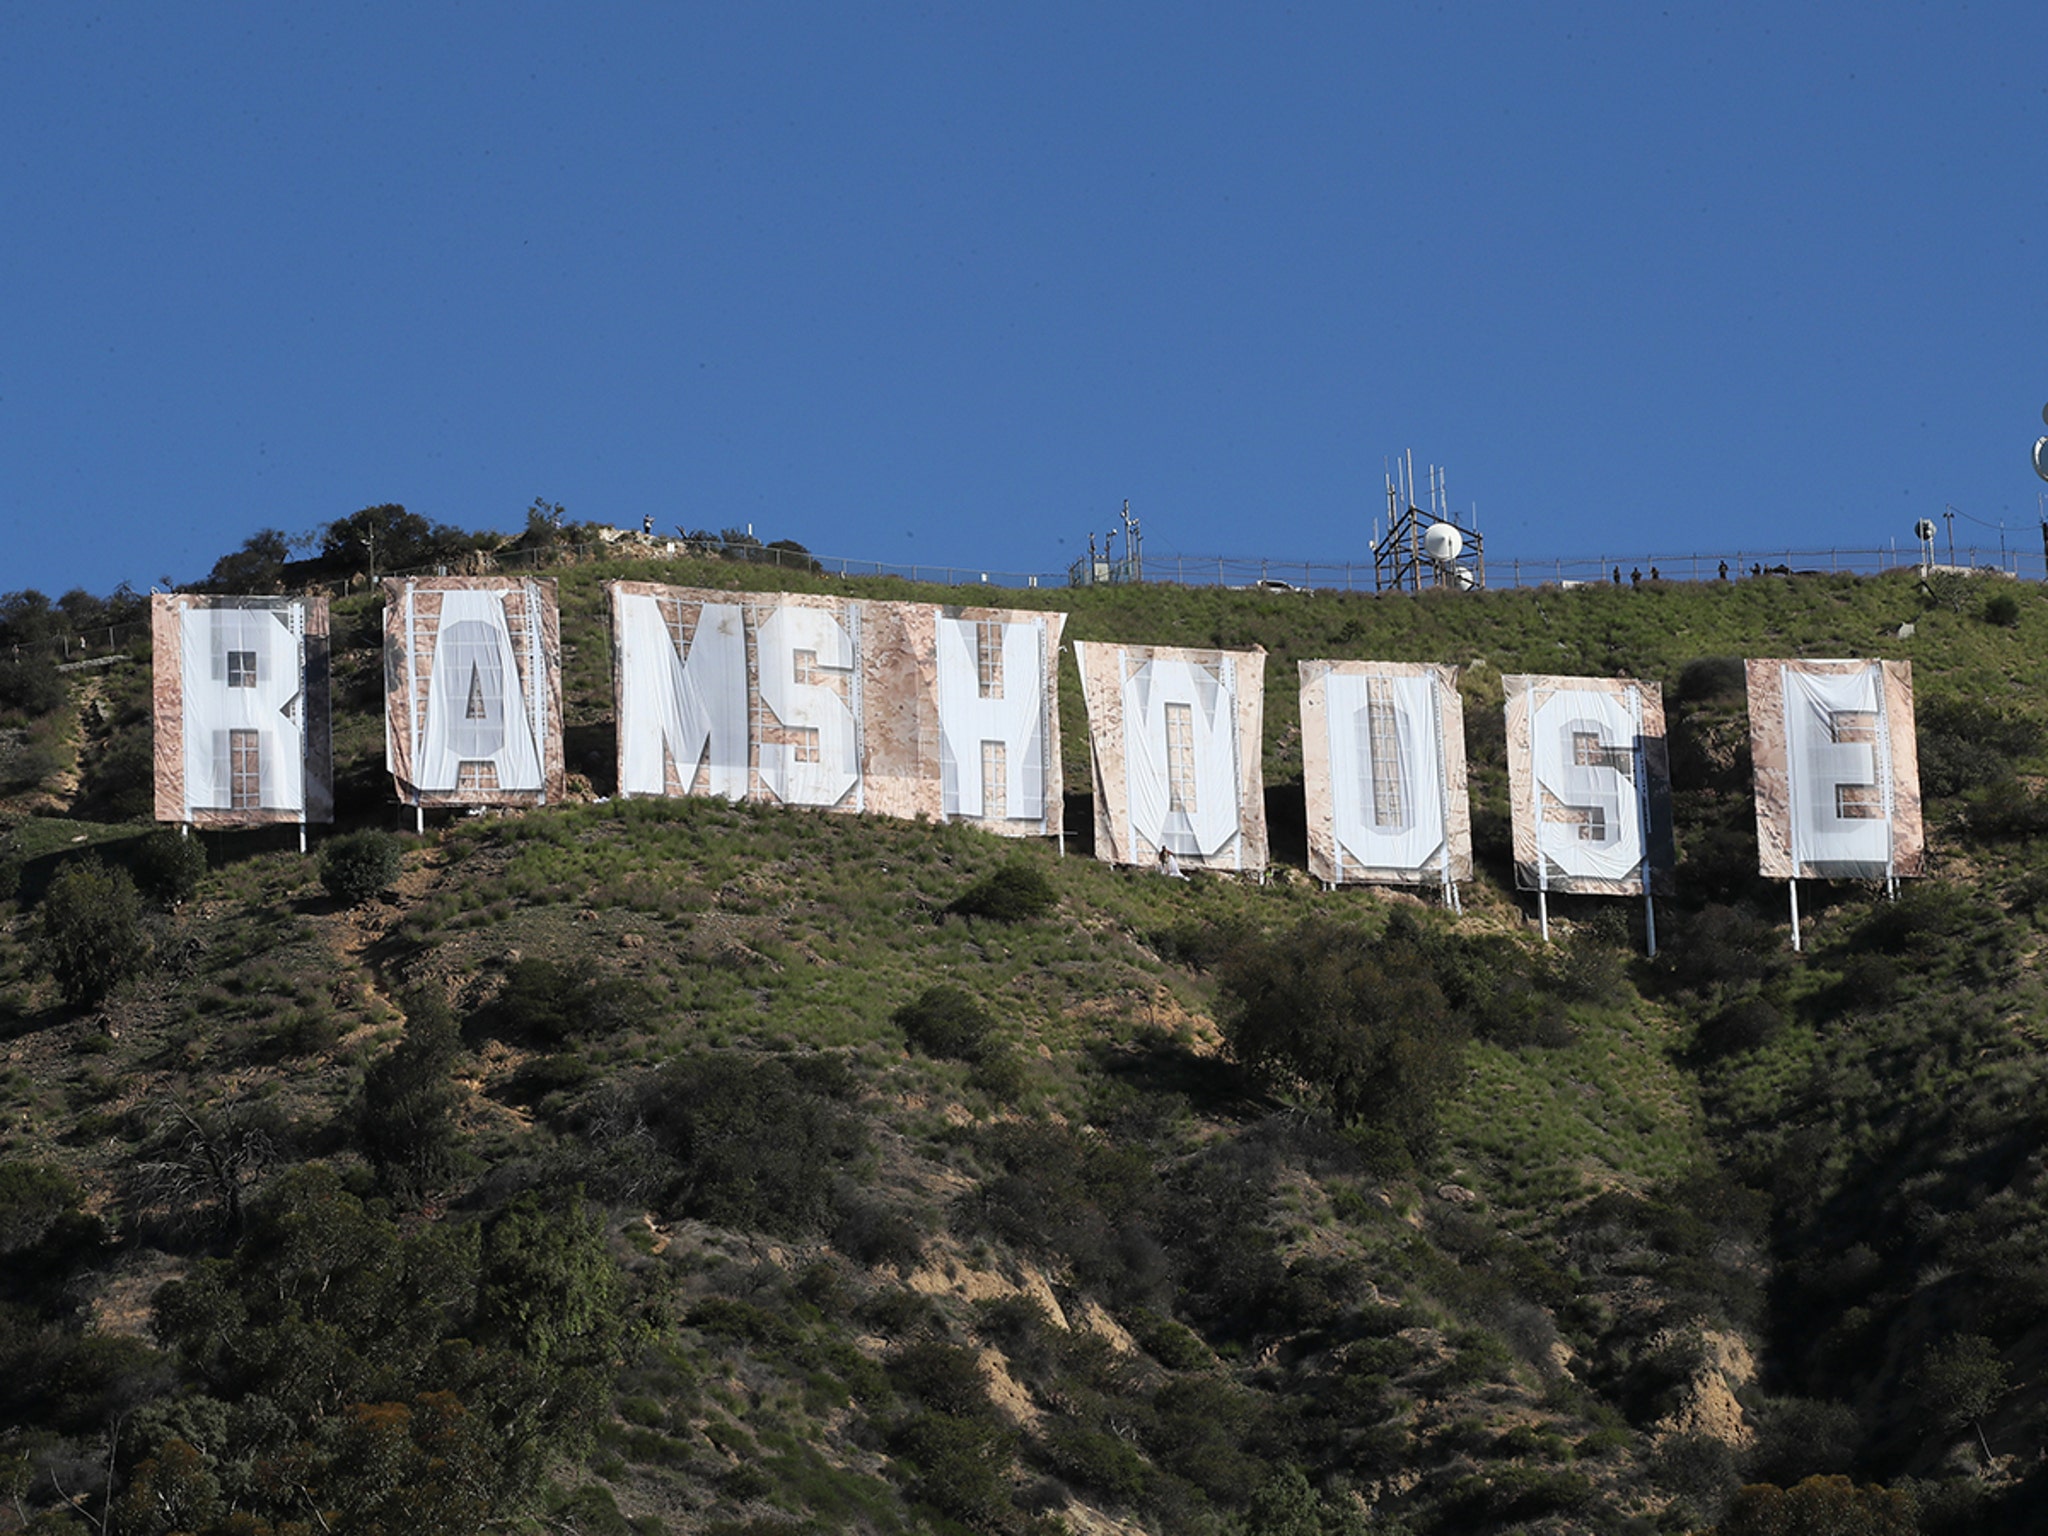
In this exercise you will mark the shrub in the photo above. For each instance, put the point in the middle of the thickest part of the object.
(25, 761)
(33, 1197)
(89, 934)
(1174, 1345)
(959, 1466)
(550, 1004)
(1360, 1027)
(945, 1021)
(168, 866)
(1744, 1025)
(118, 782)
(874, 1232)
(999, 1073)
(407, 1115)
(752, 1141)
(1828, 1502)
(1013, 894)
(2003, 609)
(358, 865)
(1722, 949)
(31, 683)
(1097, 1459)
(1965, 743)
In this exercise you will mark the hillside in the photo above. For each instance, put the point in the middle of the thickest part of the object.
(680, 1166)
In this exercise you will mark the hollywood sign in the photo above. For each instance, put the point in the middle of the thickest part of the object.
(951, 713)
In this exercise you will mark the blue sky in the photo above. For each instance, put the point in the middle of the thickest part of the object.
(948, 283)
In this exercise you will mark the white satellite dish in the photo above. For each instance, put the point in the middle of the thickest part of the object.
(2041, 458)
(1465, 578)
(1442, 543)
(1924, 529)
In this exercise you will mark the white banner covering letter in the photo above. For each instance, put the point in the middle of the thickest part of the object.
(895, 709)
(1383, 771)
(1175, 747)
(239, 698)
(473, 690)
(1837, 769)
(681, 711)
(819, 762)
(992, 707)
(243, 747)
(476, 710)
(1589, 776)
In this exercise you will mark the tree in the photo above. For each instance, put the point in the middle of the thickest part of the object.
(1827, 1505)
(547, 1288)
(543, 523)
(26, 618)
(407, 1115)
(208, 1160)
(31, 682)
(258, 566)
(387, 538)
(89, 934)
(1960, 1381)
(358, 865)
(168, 867)
(1356, 1025)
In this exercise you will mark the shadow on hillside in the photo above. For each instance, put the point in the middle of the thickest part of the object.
(592, 750)
(19, 1023)
(1079, 814)
(1287, 825)
(1163, 1067)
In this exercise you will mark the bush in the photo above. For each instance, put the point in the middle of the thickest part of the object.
(31, 683)
(550, 1004)
(1013, 894)
(945, 1021)
(2003, 609)
(1967, 743)
(1744, 1025)
(24, 761)
(168, 866)
(406, 1120)
(358, 865)
(750, 1141)
(33, 1198)
(873, 1232)
(1822, 1503)
(959, 1466)
(1722, 950)
(89, 934)
(1358, 1026)
(1174, 1345)
(999, 1073)
(119, 781)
